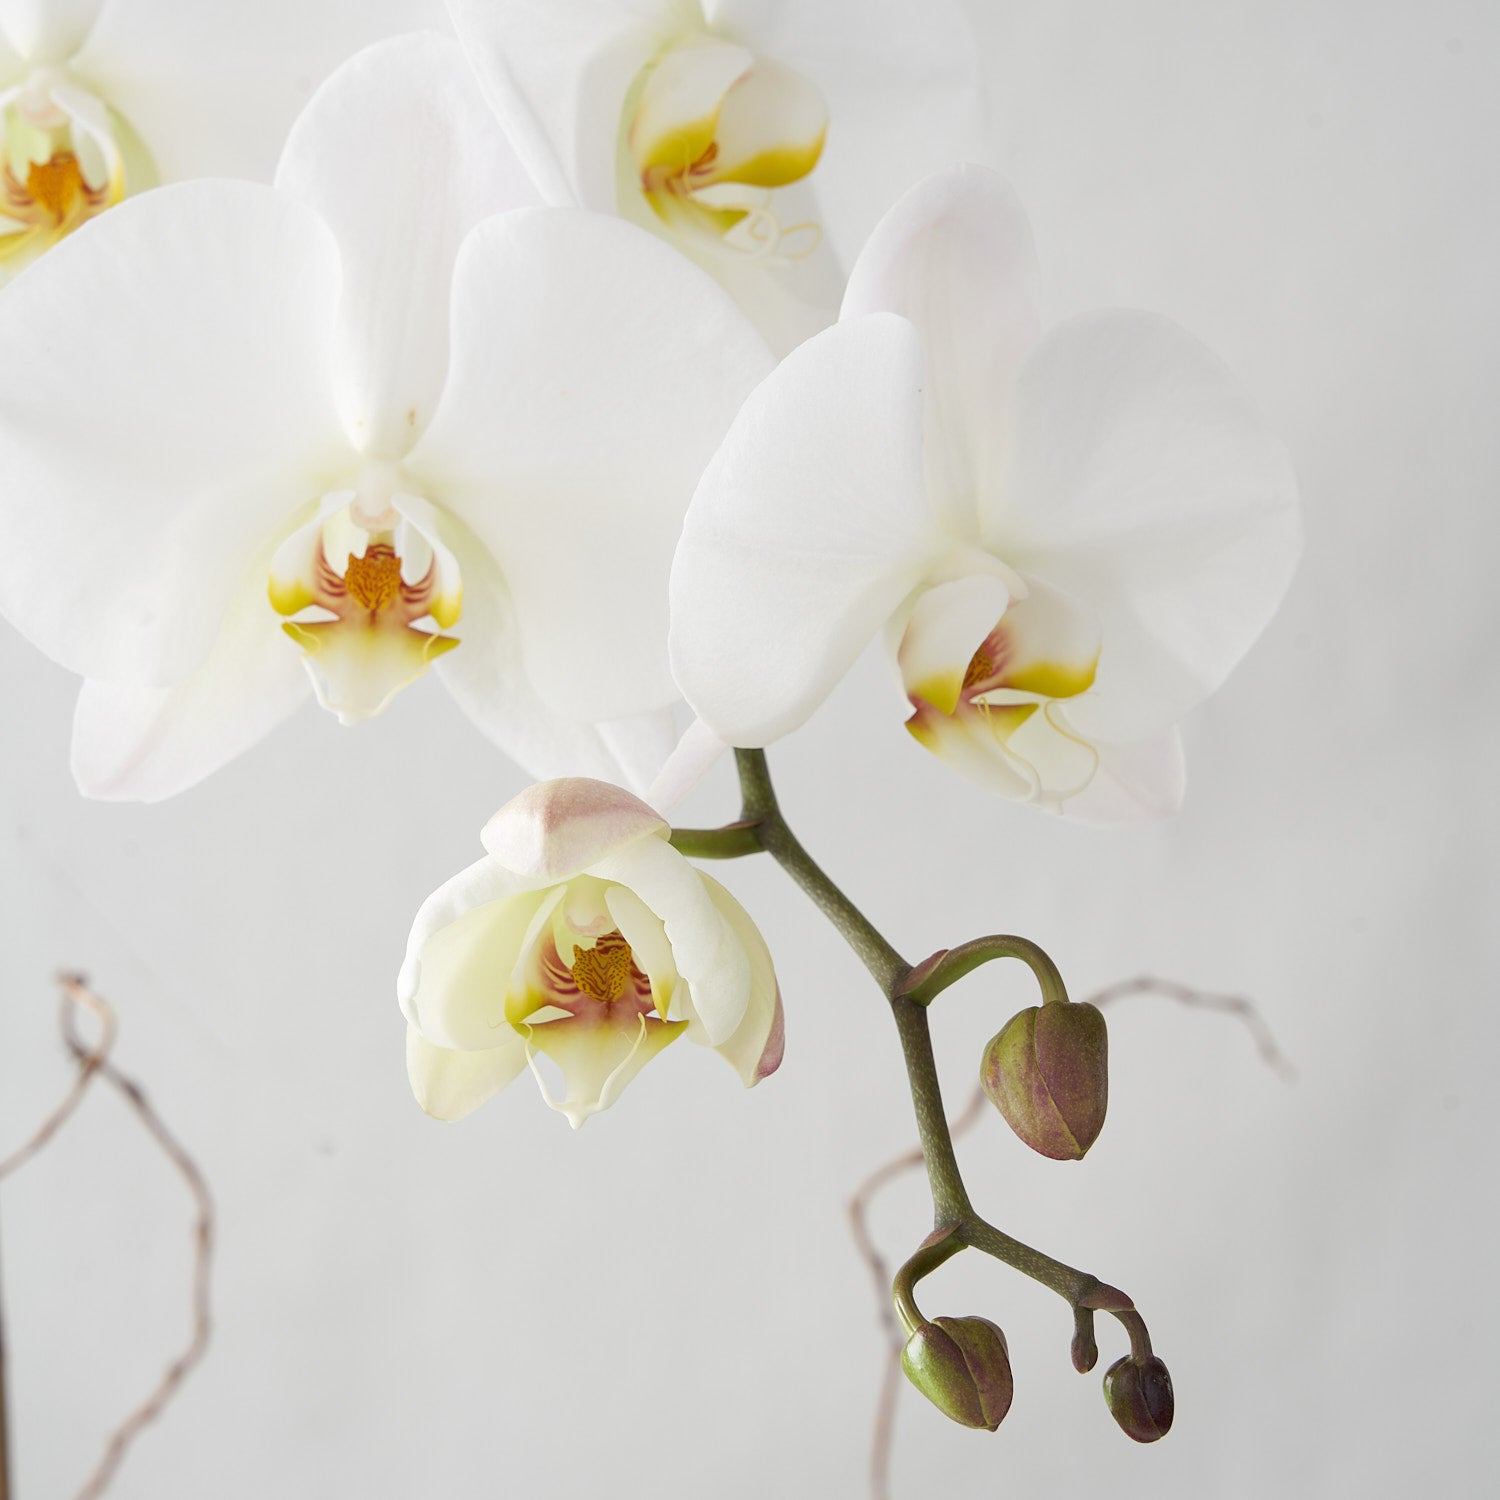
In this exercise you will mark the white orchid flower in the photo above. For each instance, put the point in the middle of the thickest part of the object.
(102, 98)
(1069, 539)
(583, 936)
(763, 138)
(430, 435)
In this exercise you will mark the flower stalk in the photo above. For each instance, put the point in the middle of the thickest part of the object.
(909, 990)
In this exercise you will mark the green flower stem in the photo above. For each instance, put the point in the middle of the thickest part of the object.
(762, 827)
(930, 1254)
(732, 841)
(927, 984)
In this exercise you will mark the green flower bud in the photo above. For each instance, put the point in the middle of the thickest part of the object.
(1047, 1072)
(963, 1367)
(1139, 1393)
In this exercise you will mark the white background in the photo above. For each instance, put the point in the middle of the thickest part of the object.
(667, 1303)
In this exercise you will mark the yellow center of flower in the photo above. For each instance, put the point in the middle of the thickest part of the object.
(57, 184)
(374, 580)
(711, 133)
(604, 970)
(367, 600)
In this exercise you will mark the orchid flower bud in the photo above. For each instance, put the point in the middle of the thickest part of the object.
(962, 1366)
(1139, 1395)
(1047, 1072)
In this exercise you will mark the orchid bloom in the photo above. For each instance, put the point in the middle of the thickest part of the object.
(1069, 539)
(763, 138)
(323, 435)
(583, 936)
(102, 98)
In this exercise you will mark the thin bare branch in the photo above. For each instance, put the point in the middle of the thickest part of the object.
(882, 1437)
(75, 993)
(1239, 1006)
(94, 1061)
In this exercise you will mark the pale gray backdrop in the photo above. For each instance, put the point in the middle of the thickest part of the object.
(667, 1304)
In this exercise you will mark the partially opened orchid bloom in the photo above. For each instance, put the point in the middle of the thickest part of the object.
(582, 936)
(763, 138)
(1069, 540)
(351, 424)
(102, 98)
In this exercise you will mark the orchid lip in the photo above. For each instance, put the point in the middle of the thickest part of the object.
(1005, 715)
(711, 132)
(367, 590)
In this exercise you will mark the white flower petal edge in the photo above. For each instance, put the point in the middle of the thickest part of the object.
(584, 937)
(253, 381)
(707, 123)
(47, 31)
(902, 82)
(159, 326)
(807, 530)
(142, 744)
(1144, 481)
(446, 165)
(99, 102)
(1111, 477)
(958, 261)
(212, 89)
(593, 373)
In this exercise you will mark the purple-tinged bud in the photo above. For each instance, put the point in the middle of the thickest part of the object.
(1139, 1393)
(1047, 1072)
(1085, 1350)
(962, 1366)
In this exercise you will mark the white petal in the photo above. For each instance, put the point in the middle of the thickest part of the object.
(450, 1084)
(556, 72)
(399, 153)
(485, 886)
(697, 750)
(947, 624)
(47, 31)
(489, 684)
(708, 955)
(593, 373)
(557, 829)
(901, 81)
(1144, 483)
(641, 745)
(789, 293)
(212, 88)
(956, 257)
(143, 743)
(466, 966)
(165, 412)
(1134, 783)
(755, 1049)
(810, 526)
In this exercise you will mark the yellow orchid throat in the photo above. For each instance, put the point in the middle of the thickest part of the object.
(52, 200)
(64, 159)
(366, 598)
(1006, 708)
(712, 131)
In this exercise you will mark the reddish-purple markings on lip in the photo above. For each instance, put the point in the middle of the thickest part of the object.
(602, 985)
